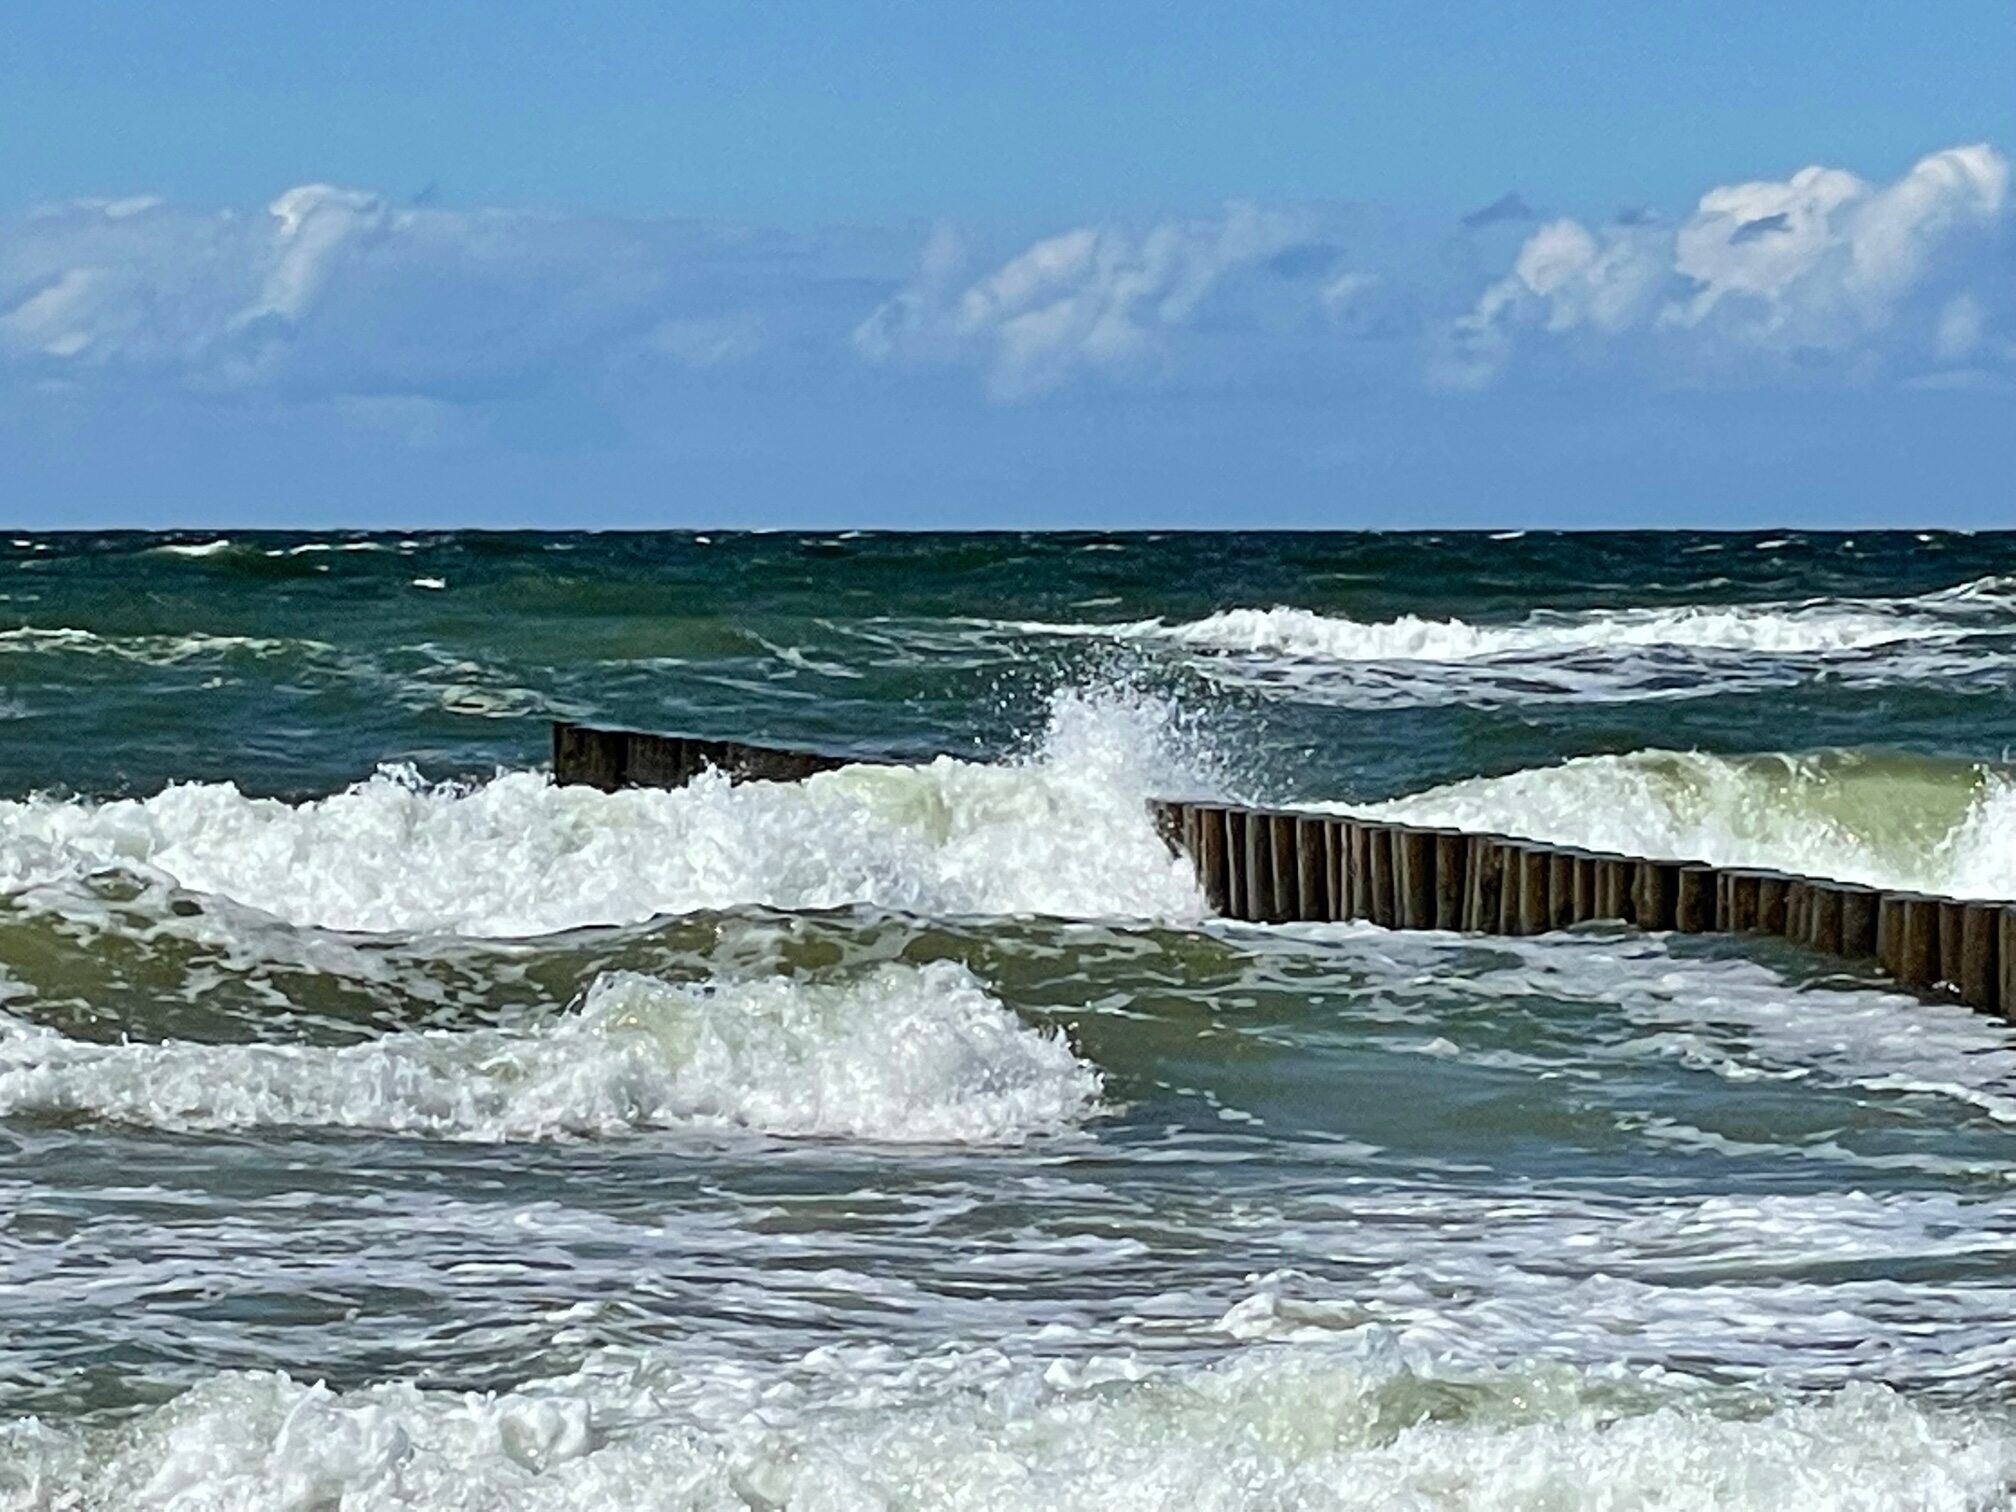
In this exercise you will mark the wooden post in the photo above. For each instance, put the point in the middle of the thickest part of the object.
(1584, 906)
(1259, 868)
(1336, 851)
(1452, 859)
(1918, 943)
(1738, 913)
(1507, 922)
(669, 761)
(1281, 857)
(1614, 876)
(1486, 884)
(1823, 918)
(1385, 910)
(1980, 973)
(1535, 908)
(1361, 868)
(1858, 921)
(1771, 902)
(1511, 895)
(1694, 901)
(2005, 960)
(1890, 933)
(590, 757)
(1210, 854)
(1414, 878)
(1798, 892)
(1235, 865)
(1652, 894)
(1952, 930)
(1560, 889)
(1312, 877)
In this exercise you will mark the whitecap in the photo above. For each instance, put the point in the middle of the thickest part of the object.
(1879, 818)
(1066, 832)
(1353, 1425)
(904, 1054)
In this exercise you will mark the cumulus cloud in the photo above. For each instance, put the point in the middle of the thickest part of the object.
(330, 291)
(1106, 300)
(1823, 270)
(330, 294)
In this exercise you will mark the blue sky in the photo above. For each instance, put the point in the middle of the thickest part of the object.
(907, 264)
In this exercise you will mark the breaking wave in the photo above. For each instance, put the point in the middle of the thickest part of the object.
(1882, 818)
(1817, 629)
(904, 1054)
(1650, 652)
(1064, 833)
(1359, 1423)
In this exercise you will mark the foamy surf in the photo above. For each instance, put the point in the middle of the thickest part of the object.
(903, 1054)
(1065, 832)
(1597, 653)
(1772, 630)
(1357, 1424)
(152, 650)
(1885, 819)
(216, 547)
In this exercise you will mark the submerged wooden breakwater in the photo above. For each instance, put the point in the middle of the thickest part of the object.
(1278, 866)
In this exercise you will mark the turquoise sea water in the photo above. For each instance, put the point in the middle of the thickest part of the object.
(382, 1126)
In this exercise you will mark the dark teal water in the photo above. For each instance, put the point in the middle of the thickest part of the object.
(288, 661)
(911, 1137)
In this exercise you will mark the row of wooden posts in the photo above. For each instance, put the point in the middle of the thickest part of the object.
(1277, 866)
(1280, 866)
(611, 759)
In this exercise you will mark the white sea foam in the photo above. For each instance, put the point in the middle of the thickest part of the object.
(1065, 832)
(902, 1054)
(1358, 1423)
(1771, 630)
(1596, 653)
(148, 650)
(1884, 820)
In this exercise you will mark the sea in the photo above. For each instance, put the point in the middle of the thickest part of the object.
(382, 1125)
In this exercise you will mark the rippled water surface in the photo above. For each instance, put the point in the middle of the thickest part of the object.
(383, 1126)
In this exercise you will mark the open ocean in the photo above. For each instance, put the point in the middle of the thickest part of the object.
(382, 1126)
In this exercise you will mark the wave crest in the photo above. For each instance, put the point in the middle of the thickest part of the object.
(1359, 1425)
(905, 1054)
(1773, 630)
(1603, 653)
(1885, 819)
(1064, 833)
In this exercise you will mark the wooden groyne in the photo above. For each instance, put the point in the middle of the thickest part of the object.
(1279, 866)
(610, 759)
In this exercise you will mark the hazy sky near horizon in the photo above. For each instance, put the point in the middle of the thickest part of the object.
(913, 264)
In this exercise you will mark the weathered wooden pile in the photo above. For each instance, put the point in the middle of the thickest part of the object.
(1281, 866)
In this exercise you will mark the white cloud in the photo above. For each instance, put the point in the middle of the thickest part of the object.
(1106, 300)
(1821, 269)
(331, 291)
